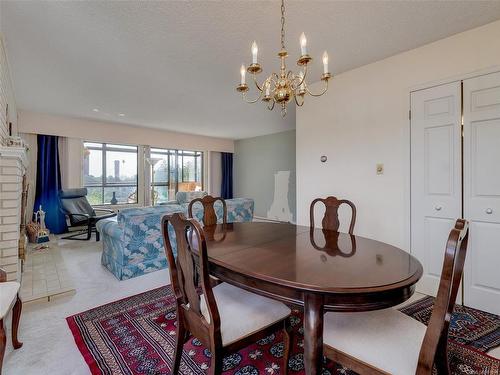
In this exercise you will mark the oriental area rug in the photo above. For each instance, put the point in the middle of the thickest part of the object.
(136, 335)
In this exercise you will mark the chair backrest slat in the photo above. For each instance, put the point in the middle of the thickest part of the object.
(209, 215)
(331, 218)
(436, 336)
(185, 272)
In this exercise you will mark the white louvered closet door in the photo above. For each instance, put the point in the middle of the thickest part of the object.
(481, 97)
(436, 185)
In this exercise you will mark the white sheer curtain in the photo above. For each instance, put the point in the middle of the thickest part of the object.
(31, 140)
(71, 161)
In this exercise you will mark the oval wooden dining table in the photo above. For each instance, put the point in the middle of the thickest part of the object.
(314, 268)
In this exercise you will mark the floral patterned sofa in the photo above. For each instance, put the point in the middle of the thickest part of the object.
(133, 243)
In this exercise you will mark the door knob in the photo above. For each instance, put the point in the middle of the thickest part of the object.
(489, 211)
(438, 208)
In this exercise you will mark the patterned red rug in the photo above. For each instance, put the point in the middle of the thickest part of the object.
(136, 335)
(468, 326)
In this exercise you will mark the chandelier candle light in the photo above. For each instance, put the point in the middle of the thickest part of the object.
(283, 87)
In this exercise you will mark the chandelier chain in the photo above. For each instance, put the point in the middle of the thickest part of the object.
(283, 24)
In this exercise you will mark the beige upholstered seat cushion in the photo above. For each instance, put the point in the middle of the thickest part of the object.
(386, 339)
(243, 313)
(8, 292)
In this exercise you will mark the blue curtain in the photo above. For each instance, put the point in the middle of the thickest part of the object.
(227, 175)
(48, 183)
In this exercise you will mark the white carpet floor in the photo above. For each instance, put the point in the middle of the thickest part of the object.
(49, 348)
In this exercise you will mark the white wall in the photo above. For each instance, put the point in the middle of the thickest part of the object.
(264, 169)
(6, 96)
(100, 131)
(363, 120)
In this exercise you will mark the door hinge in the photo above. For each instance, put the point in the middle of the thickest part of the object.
(409, 114)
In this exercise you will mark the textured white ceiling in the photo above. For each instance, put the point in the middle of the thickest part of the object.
(175, 64)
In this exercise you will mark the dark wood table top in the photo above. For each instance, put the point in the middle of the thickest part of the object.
(319, 270)
(316, 261)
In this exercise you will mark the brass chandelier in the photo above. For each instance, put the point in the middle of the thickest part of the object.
(286, 86)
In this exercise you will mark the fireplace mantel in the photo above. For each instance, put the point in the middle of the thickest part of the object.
(12, 152)
(13, 165)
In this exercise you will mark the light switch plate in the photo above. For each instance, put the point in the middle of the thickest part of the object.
(380, 168)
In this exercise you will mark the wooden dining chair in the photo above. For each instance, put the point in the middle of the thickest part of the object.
(331, 218)
(209, 218)
(390, 342)
(224, 318)
(209, 215)
(9, 300)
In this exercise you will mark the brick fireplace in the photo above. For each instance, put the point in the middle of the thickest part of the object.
(13, 164)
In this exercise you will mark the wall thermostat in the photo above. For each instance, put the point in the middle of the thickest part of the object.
(323, 158)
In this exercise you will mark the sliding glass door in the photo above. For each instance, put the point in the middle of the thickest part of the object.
(173, 171)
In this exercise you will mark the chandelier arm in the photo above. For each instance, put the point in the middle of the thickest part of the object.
(297, 102)
(297, 81)
(291, 78)
(257, 84)
(251, 101)
(301, 81)
(324, 90)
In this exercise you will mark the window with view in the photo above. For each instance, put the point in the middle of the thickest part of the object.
(175, 170)
(110, 173)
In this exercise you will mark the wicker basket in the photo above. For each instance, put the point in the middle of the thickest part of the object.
(32, 231)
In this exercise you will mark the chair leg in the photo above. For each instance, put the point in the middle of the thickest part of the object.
(441, 359)
(89, 231)
(217, 363)
(3, 340)
(16, 317)
(288, 342)
(179, 344)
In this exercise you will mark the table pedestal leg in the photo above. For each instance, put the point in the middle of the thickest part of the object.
(313, 333)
